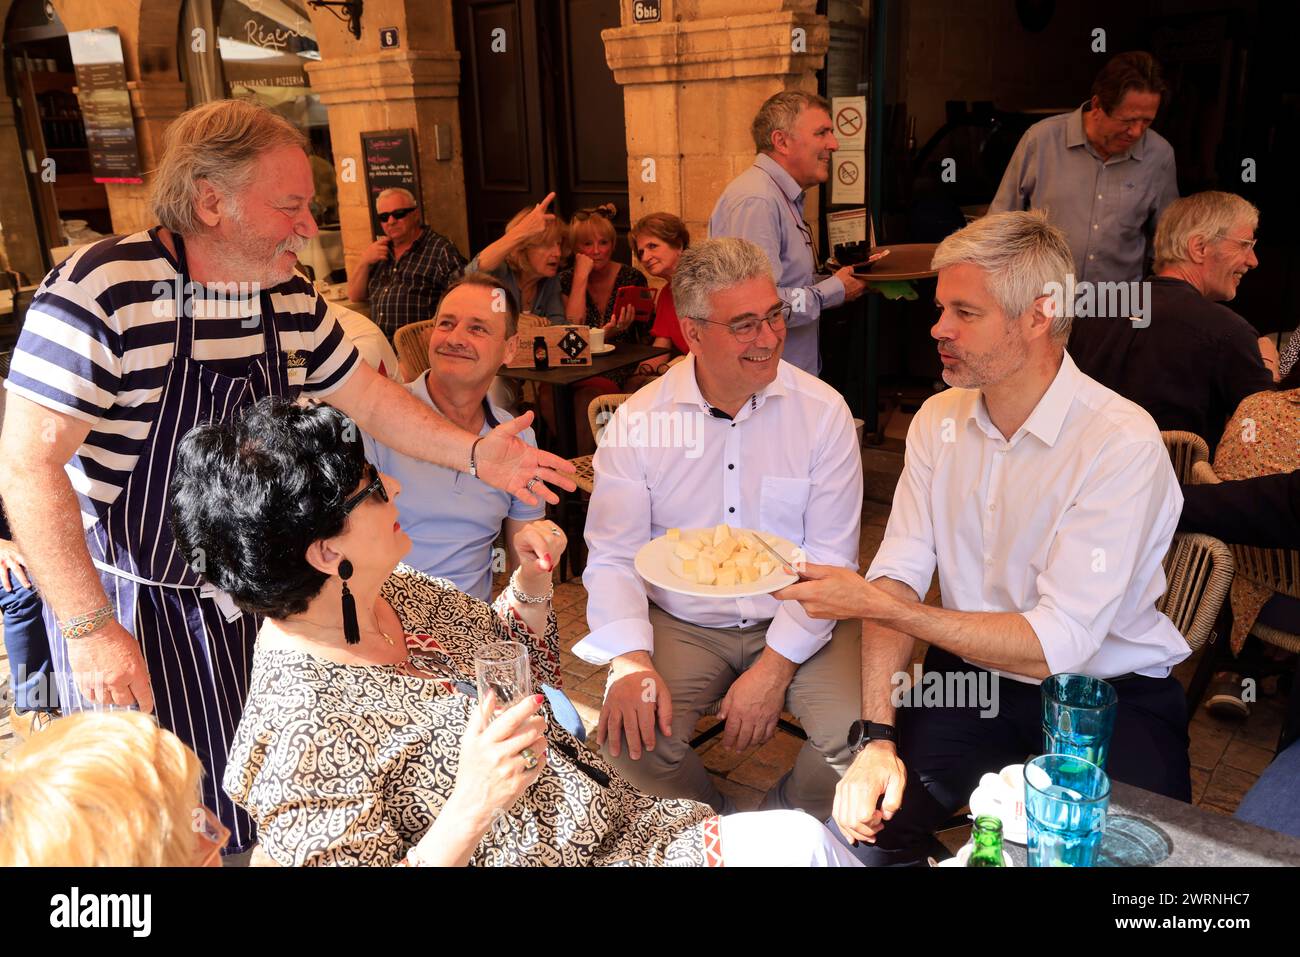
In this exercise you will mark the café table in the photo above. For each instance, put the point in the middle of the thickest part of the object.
(562, 379)
(1148, 829)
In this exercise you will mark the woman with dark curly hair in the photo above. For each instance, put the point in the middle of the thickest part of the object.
(361, 742)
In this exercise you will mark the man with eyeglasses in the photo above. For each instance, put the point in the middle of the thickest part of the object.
(734, 435)
(1101, 174)
(1192, 360)
(404, 273)
(795, 139)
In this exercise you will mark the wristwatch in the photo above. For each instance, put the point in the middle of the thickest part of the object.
(862, 733)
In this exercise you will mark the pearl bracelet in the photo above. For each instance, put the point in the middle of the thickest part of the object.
(529, 599)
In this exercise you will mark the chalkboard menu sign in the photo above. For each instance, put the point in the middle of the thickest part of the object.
(105, 105)
(390, 162)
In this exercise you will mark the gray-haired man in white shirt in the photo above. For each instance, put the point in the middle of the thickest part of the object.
(1047, 502)
(736, 436)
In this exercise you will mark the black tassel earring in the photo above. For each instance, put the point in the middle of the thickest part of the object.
(351, 631)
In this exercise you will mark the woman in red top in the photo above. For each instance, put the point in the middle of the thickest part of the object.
(659, 239)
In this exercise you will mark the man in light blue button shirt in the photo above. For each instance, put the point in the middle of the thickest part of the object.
(451, 517)
(793, 134)
(1100, 173)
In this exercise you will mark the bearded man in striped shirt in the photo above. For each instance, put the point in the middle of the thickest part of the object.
(132, 342)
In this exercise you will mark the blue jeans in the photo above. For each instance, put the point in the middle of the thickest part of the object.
(1271, 802)
(28, 649)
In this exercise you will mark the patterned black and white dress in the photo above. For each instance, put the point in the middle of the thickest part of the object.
(351, 764)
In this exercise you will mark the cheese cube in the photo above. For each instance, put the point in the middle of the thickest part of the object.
(727, 577)
(749, 574)
(674, 534)
(766, 566)
(706, 573)
(689, 568)
(685, 550)
(720, 534)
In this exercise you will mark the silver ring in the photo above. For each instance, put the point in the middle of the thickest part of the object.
(532, 481)
(530, 759)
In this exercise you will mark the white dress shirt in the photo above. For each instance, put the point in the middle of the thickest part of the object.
(788, 464)
(1066, 523)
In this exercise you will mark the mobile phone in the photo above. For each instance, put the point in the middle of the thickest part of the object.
(640, 298)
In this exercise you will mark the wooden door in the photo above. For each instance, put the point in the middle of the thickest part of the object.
(540, 110)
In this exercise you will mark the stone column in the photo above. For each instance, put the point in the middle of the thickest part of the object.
(402, 89)
(691, 86)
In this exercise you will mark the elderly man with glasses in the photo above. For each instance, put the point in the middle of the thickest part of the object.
(1191, 360)
(1101, 174)
(404, 272)
(734, 435)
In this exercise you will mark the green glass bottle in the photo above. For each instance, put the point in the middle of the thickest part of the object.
(987, 839)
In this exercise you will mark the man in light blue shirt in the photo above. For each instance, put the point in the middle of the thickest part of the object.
(764, 204)
(452, 518)
(1101, 174)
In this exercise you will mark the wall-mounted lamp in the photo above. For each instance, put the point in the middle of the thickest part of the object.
(351, 12)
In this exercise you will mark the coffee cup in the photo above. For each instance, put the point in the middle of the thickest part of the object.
(597, 340)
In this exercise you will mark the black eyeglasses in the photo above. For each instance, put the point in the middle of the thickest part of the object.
(396, 214)
(374, 487)
(746, 330)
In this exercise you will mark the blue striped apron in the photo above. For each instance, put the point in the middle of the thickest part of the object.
(197, 645)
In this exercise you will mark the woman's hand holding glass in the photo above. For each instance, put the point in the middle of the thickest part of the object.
(494, 771)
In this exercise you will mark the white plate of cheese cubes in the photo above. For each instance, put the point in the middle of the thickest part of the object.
(716, 562)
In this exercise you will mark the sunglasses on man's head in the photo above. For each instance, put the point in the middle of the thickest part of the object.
(396, 214)
(374, 487)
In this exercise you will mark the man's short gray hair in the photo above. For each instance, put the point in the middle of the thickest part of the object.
(219, 142)
(1021, 253)
(712, 266)
(779, 112)
(397, 191)
(1210, 214)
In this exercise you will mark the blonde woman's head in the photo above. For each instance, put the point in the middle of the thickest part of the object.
(102, 790)
(542, 254)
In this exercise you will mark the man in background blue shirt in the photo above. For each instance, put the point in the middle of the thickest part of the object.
(452, 518)
(1101, 174)
(764, 204)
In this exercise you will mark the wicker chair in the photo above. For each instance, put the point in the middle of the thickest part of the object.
(1185, 450)
(1275, 568)
(601, 405)
(1199, 571)
(412, 345)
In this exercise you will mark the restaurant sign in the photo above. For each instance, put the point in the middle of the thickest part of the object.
(105, 105)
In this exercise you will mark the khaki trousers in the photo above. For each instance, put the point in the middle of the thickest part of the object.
(699, 665)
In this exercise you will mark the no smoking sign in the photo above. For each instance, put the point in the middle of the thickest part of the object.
(849, 118)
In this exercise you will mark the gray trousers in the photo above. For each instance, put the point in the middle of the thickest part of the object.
(699, 665)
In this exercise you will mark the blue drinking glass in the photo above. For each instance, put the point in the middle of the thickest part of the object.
(1066, 798)
(1078, 716)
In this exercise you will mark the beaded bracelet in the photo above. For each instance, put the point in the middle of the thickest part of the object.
(82, 625)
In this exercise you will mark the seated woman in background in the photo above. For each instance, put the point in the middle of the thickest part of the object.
(659, 240)
(590, 284)
(105, 789)
(526, 259)
(361, 742)
(1261, 438)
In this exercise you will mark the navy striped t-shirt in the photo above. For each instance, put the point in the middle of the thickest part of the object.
(101, 331)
